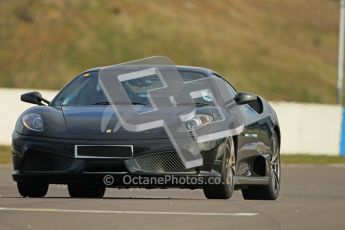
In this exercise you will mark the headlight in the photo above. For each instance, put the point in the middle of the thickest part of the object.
(33, 121)
(199, 120)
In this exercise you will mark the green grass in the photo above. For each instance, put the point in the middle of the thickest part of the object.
(282, 50)
(5, 158)
(311, 159)
(5, 154)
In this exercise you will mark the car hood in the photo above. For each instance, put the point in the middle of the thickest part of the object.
(102, 120)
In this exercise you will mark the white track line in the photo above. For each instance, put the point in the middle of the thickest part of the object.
(245, 214)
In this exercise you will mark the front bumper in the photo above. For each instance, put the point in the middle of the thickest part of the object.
(53, 160)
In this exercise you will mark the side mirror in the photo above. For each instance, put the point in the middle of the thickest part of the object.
(252, 100)
(33, 98)
(242, 98)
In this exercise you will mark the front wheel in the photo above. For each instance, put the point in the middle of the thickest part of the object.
(270, 191)
(32, 190)
(226, 188)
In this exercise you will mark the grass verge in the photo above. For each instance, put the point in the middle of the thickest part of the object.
(289, 41)
(311, 159)
(5, 158)
(5, 154)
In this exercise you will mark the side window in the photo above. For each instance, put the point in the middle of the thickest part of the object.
(231, 89)
(227, 91)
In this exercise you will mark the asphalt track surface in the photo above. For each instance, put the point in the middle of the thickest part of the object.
(312, 197)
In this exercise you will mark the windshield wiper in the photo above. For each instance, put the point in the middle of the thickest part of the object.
(195, 104)
(137, 103)
(201, 104)
(101, 103)
(108, 103)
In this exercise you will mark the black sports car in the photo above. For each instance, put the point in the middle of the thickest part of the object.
(67, 142)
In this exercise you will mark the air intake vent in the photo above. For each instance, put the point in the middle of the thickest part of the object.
(163, 162)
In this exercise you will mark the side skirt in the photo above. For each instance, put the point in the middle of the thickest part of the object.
(244, 180)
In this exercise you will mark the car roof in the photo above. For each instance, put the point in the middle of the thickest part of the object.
(178, 67)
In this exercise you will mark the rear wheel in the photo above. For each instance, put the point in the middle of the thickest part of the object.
(86, 191)
(270, 191)
(226, 188)
(34, 190)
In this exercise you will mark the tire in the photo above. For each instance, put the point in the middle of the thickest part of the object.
(270, 191)
(32, 190)
(86, 191)
(226, 188)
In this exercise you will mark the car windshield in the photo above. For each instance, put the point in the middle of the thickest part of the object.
(85, 90)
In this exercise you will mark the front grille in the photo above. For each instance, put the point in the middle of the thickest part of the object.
(163, 162)
(104, 151)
